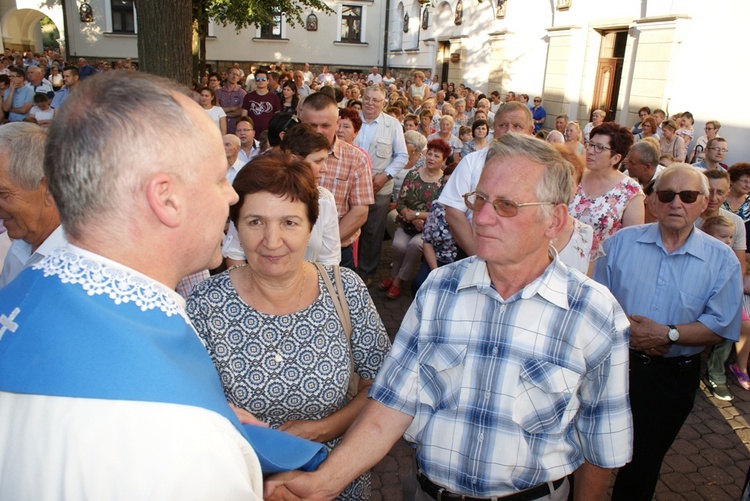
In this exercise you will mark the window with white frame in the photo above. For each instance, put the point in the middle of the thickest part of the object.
(272, 30)
(352, 19)
(351, 23)
(123, 16)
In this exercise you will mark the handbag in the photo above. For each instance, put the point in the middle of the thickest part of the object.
(342, 309)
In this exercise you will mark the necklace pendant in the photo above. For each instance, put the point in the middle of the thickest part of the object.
(278, 357)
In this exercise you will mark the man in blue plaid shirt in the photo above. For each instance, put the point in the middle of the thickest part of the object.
(509, 371)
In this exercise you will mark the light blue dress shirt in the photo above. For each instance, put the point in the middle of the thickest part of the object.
(699, 282)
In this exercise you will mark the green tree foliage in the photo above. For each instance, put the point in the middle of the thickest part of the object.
(246, 13)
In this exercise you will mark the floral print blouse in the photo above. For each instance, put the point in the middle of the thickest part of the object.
(417, 195)
(437, 233)
(604, 213)
(743, 211)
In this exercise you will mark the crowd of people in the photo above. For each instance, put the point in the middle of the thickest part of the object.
(565, 282)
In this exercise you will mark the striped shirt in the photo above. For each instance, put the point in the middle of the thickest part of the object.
(510, 393)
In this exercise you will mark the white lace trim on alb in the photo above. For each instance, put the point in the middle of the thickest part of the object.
(99, 278)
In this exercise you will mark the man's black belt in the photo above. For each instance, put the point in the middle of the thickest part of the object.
(643, 359)
(441, 494)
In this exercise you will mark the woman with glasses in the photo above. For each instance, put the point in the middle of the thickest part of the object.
(648, 129)
(712, 130)
(606, 199)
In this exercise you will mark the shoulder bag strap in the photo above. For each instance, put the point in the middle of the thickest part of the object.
(342, 309)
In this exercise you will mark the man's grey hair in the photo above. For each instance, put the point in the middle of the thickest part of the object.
(375, 88)
(23, 143)
(235, 140)
(648, 153)
(108, 137)
(685, 169)
(516, 106)
(555, 184)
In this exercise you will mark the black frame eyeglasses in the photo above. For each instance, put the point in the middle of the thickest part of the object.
(598, 148)
(504, 207)
(687, 196)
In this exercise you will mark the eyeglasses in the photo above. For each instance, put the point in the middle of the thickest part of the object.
(261, 79)
(688, 197)
(374, 100)
(537, 100)
(503, 207)
(598, 148)
(718, 150)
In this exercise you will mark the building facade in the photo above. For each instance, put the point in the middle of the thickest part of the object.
(351, 36)
(578, 55)
(582, 55)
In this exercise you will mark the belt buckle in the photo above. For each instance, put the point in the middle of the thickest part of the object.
(642, 357)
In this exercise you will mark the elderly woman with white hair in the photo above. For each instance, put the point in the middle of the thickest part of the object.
(415, 146)
(445, 132)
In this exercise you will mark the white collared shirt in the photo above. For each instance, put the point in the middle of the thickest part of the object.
(20, 255)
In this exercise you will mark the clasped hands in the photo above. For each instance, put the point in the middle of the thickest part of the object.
(648, 336)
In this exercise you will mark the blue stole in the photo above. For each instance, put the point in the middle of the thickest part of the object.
(57, 339)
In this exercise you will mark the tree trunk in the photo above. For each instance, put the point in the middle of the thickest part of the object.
(164, 38)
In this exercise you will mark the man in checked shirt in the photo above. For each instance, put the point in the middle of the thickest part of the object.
(509, 371)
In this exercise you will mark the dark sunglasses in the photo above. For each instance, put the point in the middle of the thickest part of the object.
(688, 197)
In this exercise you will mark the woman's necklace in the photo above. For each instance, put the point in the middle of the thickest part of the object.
(277, 357)
(735, 202)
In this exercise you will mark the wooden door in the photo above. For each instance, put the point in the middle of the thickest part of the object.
(607, 86)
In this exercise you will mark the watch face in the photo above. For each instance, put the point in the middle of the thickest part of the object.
(674, 334)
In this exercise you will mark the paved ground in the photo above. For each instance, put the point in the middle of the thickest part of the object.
(708, 461)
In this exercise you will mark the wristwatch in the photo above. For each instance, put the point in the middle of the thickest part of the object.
(674, 334)
(416, 214)
(388, 176)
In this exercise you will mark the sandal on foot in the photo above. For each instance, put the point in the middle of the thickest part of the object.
(394, 292)
(385, 284)
(742, 377)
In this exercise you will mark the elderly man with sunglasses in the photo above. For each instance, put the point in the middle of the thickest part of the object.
(509, 371)
(682, 292)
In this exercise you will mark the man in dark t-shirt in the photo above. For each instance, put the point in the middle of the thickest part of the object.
(261, 104)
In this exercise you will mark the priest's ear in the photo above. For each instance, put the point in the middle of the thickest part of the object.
(163, 198)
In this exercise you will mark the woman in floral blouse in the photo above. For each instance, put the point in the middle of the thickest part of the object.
(420, 188)
(438, 245)
(606, 198)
